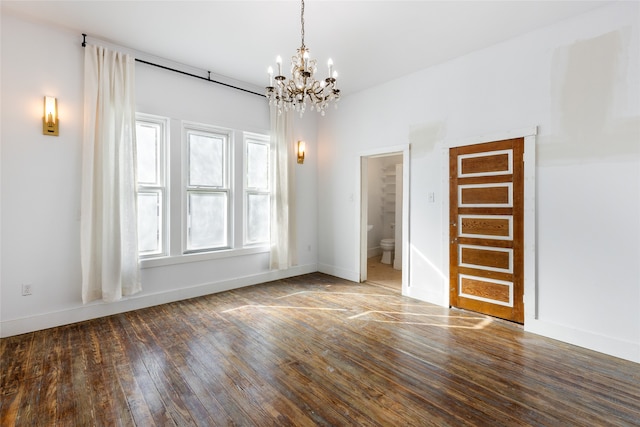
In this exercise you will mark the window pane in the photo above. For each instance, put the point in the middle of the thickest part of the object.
(148, 223)
(147, 143)
(257, 166)
(258, 208)
(206, 161)
(208, 219)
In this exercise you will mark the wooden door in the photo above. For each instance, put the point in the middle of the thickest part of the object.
(487, 228)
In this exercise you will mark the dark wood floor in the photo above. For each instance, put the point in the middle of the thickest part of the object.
(312, 350)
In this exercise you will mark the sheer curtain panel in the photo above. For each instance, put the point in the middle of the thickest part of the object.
(283, 206)
(109, 241)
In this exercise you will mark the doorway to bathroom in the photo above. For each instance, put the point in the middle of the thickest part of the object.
(384, 219)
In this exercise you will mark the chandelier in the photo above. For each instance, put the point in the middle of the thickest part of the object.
(302, 88)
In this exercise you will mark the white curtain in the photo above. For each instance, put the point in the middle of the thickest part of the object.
(283, 206)
(109, 240)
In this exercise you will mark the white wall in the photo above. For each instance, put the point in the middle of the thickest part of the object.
(579, 82)
(41, 182)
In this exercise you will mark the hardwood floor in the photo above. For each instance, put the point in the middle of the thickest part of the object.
(383, 274)
(312, 350)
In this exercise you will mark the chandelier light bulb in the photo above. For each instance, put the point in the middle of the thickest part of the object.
(305, 57)
(279, 62)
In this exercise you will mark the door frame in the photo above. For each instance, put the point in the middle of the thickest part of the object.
(530, 242)
(362, 209)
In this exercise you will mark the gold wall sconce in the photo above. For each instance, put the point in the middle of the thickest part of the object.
(300, 152)
(50, 118)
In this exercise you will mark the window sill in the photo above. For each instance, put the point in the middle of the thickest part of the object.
(198, 257)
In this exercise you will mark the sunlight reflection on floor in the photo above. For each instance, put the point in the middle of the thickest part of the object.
(278, 307)
(337, 293)
(388, 317)
(440, 319)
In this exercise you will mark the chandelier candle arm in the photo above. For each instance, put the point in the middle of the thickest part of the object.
(302, 87)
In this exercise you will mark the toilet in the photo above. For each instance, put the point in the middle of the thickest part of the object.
(387, 245)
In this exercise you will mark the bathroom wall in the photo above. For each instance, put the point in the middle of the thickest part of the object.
(374, 205)
(397, 259)
(389, 195)
(381, 200)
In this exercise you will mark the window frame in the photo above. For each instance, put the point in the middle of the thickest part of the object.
(189, 128)
(160, 187)
(255, 138)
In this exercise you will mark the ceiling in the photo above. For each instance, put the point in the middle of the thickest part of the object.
(370, 42)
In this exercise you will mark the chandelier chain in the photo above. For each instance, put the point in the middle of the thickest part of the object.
(302, 22)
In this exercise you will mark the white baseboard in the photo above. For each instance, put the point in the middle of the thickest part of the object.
(600, 343)
(101, 309)
(375, 251)
(618, 348)
(425, 295)
(339, 272)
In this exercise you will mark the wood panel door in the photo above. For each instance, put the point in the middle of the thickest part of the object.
(486, 221)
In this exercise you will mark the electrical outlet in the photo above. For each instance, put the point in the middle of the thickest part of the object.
(26, 289)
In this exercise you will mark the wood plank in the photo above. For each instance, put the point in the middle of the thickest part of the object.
(144, 398)
(485, 195)
(174, 393)
(481, 226)
(311, 350)
(484, 164)
(485, 257)
(484, 289)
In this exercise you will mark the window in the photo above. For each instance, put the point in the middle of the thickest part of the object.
(151, 169)
(207, 188)
(222, 199)
(257, 189)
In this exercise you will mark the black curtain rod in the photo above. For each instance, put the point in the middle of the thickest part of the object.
(208, 79)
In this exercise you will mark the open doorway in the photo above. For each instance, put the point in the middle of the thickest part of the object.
(384, 231)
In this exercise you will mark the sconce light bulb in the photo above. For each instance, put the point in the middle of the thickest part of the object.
(50, 116)
(50, 108)
(300, 152)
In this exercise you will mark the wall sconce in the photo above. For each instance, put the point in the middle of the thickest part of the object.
(50, 119)
(300, 152)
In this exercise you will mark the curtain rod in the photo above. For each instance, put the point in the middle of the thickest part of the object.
(208, 79)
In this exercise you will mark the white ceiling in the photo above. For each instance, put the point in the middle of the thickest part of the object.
(370, 42)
